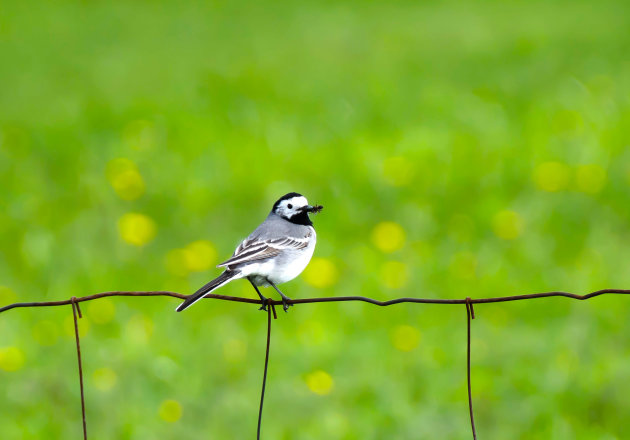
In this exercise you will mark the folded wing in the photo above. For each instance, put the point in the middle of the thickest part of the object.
(255, 250)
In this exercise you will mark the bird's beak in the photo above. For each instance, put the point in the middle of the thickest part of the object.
(314, 209)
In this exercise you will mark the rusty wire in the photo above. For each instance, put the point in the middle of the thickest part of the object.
(270, 309)
(470, 314)
(325, 299)
(75, 310)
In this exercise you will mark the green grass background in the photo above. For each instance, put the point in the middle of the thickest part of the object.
(494, 135)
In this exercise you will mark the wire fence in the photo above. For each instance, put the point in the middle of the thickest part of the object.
(468, 302)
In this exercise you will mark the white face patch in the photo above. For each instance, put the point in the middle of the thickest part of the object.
(288, 208)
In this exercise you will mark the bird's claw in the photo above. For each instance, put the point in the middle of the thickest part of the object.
(285, 304)
(265, 302)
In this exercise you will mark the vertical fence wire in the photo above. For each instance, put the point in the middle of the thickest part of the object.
(270, 308)
(470, 314)
(75, 309)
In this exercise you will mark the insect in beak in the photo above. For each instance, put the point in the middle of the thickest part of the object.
(314, 209)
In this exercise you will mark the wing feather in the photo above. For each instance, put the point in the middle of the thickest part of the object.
(255, 250)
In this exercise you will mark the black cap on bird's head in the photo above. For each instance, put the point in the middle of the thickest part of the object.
(295, 208)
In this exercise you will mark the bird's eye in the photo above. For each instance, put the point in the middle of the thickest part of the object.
(290, 206)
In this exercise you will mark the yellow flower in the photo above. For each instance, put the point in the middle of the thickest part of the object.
(125, 178)
(101, 311)
(170, 410)
(319, 382)
(196, 257)
(137, 229)
(139, 328)
(552, 176)
(507, 225)
(200, 255)
(104, 378)
(405, 337)
(11, 358)
(321, 273)
(388, 236)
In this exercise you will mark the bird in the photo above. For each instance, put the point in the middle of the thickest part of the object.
(277, 251)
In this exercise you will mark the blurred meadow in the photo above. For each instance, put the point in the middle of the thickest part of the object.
(459, 149)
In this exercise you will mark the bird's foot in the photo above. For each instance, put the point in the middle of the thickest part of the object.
(285, 303)
(265, 303)
(285, 299)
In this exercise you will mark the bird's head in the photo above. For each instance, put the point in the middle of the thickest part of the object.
(295, 208)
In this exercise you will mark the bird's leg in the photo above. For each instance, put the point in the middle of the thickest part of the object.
(262, 298)
(285, 299)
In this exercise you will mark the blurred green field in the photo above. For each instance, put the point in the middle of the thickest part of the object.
(459, 148)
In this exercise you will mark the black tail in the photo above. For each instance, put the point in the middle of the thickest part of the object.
(222, 279)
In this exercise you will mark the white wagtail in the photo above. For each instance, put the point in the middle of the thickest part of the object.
(276, 252)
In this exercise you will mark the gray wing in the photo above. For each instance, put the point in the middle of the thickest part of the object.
(255, 249)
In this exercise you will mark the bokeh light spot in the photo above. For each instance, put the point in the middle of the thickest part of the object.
(200, 255)
(388, 236)
(104, 379)
(170, 410)
(11, 358)
(464, 265)
(405, 337)
(552, 176)
(507, 225)
(124, 176)
(137, 229)
(394, 274)
(234, 350)
(398, 171)
(196, 257)
(101, 311)
(321, 273)
(590, 178)
(46, 332)
(139, 328)
(319, 382)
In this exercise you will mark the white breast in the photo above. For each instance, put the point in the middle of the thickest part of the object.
(284, 267)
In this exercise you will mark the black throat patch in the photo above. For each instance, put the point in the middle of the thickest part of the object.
(301, 219)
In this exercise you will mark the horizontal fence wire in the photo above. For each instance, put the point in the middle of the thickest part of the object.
(468, 302)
